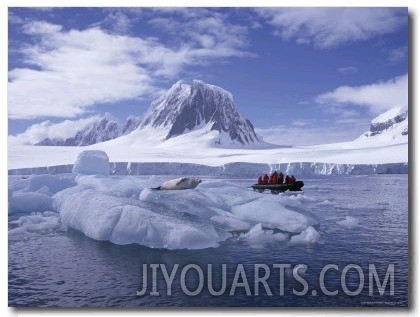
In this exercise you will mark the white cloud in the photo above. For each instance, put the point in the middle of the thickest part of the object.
(119, 22)
(302, 123)
(398, 54)
(70, 71)
(377, 97)
(74, 70)
(314, 133)
(349, 70)
(344, 125)
(46, 129)
(207, 32)
(331, 27)
(41, 28)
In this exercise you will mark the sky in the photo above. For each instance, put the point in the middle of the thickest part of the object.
(301, 75)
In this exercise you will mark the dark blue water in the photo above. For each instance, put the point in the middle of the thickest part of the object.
(63, 268)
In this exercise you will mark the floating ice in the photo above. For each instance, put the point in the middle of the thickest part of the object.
(35, 223)
(124, 210)
(274, 214)
(258, 238)
(49, 183)
(33, 193)
(123, 221)
(92, 162)
(325, 203)
(308, 236)
(193, 218)
(349, 222)
(22, 201)
(129, 186)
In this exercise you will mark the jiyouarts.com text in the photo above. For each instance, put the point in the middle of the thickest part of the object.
(262, 279)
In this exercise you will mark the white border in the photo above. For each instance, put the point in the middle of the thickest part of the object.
(5, 311)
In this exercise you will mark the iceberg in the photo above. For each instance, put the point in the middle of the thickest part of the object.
(196, 218)
(126, 209)
(123, 221)
(92, 162)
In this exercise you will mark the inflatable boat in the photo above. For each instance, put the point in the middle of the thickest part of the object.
(296, 186)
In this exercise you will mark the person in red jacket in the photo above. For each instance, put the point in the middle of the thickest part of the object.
(275, 175)
(280, 179)
(273, 178)
(260, 180)
(287, 179)
(265, 179)
(292, 179)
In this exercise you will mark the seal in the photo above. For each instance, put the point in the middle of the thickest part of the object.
(179, 183)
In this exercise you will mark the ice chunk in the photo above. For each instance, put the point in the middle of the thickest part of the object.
(222, 191)
(258, 238)
(229, 221)
(273, 214)
(92, 162)
(103, 208)
(48, 183)
(123, 221)
(17, 183)
(309, 236)
(325, 203)
(349, 222)
(22, 201)
(35, 223)
(88, 211)
(140, 225)
(128, 186)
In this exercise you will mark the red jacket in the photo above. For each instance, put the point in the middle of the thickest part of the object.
(265, 179)
(273, 179)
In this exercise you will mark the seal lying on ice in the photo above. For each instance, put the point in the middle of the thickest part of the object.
(179, 183)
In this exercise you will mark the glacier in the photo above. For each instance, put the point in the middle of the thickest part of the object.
(229, 169)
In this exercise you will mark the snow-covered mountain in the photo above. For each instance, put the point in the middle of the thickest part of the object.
(187, 107)
(103, 129)
(145, 151)
(390, 126)
(131, 124)
(183, 108)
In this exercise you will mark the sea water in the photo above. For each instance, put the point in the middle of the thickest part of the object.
(363, 245)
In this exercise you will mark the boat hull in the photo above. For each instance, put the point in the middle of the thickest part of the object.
(296, 186)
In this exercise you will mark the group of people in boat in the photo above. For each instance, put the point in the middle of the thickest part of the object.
(276, 178)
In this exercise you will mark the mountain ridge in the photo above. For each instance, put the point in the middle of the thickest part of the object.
(186, 107)
(392, 124)
(183, 108)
